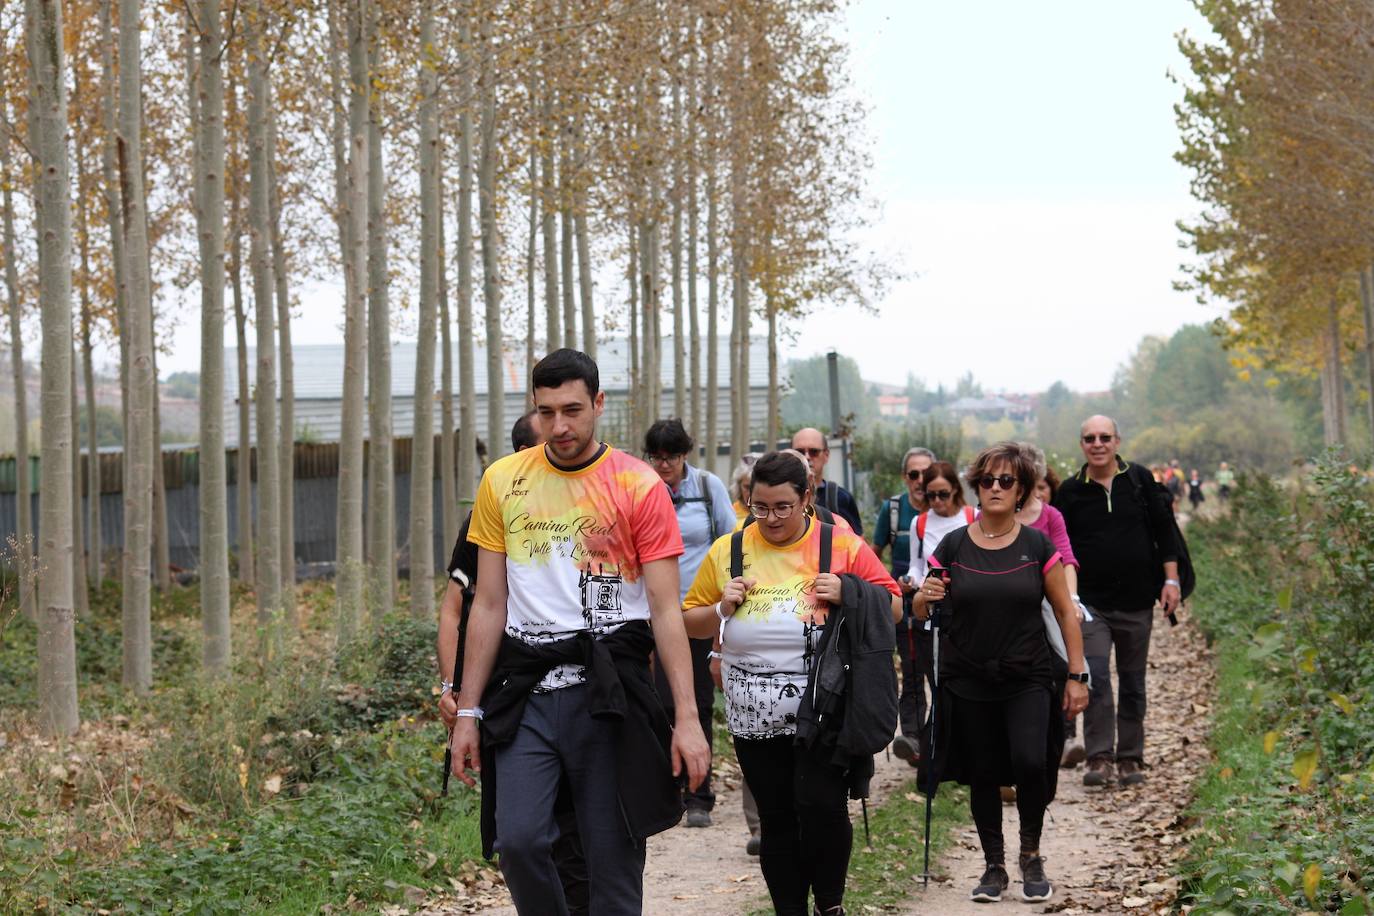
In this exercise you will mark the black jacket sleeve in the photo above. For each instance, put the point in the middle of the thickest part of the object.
(462, 565)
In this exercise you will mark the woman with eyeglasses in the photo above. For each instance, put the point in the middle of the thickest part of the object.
(1003, 690)
(770, 621)
(703, 514)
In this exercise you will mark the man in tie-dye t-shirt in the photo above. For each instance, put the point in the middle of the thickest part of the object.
(574, 538)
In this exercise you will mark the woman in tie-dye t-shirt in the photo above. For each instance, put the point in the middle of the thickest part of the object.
(770, 620)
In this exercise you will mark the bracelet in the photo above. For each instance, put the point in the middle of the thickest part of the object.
(713, 654)
(720, 613)
(1173, 582)
(473, 713)
(445, 687)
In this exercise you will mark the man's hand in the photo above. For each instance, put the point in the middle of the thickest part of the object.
(1075, 698)
(733, 594)
(1169, 599)
(448, 709)
(908, 587)
(828, 588)
(689, 750)
(467, 751)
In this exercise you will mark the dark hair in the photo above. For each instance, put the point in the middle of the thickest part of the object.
(1013, 453)
(1052, 479)
(566, 365)
(777, 468)
(943, 470)
(668, 437)
(523, 434)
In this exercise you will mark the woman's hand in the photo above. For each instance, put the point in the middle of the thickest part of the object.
(733, 595)
(828, 588)
(1075, 698)
(932, 590)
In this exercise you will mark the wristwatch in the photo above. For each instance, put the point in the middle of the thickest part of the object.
(1085, 678)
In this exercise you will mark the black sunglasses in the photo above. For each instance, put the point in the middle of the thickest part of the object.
(938, 494)
(813, 452)
(1104, 438)
(1005, 481)
(913, 475)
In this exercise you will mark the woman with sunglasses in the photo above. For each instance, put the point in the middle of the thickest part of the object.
(1003, 691)
(703, 514)
(770, 620)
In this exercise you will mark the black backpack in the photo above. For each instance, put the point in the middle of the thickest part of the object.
(1145, 485)
(737, 549)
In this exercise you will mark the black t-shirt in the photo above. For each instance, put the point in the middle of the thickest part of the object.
(993, 642)
(462, 565)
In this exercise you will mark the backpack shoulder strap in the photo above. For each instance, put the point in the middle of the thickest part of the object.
(968, 515)
(921, 526)
(737, 554)
(827, 540)
(832, 496)
(824, 515)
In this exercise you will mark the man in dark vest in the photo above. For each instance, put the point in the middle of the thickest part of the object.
(812, 444)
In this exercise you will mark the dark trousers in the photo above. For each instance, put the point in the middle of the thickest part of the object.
(805, 834)
(1116, 729)
(558, 738)
(1025, 721)
(914, 647)
(704, 688)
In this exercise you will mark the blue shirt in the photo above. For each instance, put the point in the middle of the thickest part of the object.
(700, 528)
(900, 540)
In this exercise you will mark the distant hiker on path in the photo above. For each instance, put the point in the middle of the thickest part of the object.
(814, 447)
(578, 546)
(1121, 525)
(1003, 691)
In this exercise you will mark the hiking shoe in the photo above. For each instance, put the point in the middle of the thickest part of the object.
(991, 885)
(1099, 772)
(1008, 794)
(833, 911)
(907, 749)
(754, 845)
(1129, 773)
(1035, 887)
(698, 817)
(1074, 754)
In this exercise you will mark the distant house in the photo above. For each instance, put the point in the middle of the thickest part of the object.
(893, 405)
(319, 389)
(995, 407)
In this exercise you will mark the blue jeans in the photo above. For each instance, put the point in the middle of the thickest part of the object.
(558, 738)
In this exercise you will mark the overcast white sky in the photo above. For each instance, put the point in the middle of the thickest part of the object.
(1022, 160)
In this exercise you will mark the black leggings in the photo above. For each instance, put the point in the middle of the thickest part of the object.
(803, 822)
(1016, 729)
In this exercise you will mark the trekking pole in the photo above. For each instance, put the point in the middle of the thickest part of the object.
(934, 706)
(448, 745)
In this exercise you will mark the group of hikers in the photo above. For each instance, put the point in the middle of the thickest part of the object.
(1172, 478)
(597, 601)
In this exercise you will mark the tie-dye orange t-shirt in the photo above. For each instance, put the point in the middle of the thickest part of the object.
(575, 541)
(769, 640)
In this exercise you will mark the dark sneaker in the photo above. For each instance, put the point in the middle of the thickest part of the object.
(991, 885)
(754, 845)
(833, 911)
(1074, 754)
(1129, 773)
(906, 749)
(1099, 772)
(1035, 887)
(698, 817)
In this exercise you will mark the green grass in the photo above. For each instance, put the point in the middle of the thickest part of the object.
(889, 870)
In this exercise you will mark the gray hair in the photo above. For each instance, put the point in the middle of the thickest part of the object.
(744, 471)
(1037, 459)
(918, 451)
(1116, 431)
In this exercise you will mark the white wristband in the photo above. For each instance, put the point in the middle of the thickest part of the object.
(1173, 582)
(473, 713)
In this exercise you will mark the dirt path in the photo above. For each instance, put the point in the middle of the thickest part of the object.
(1108, 850)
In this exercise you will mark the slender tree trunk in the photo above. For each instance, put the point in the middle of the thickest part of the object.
(208, 124)
(244, 457)
(286, 370)
(712, 272)
(774, 394)
(57, 707)
(1367, 311)
(448, 458)
(634, 403)
(381, 476)
(547, 204)
(140, 445)
(349, 525)
(1333, 378)
(268, 591)
(467, 370)
(648, 300)
(491, 252)
(531, 255)
(422, 444)
(584, 275)
(565, 222)
(693, 223)
(162, 560)
(675, 266)
(81, 598)
(93, 571)
(28, 597)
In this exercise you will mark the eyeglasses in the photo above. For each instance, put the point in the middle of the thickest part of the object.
(1005, 481)
(913, 475)
(940, 494)
(1104, 438)
(781, 512)
(662, 460)
(813, 452)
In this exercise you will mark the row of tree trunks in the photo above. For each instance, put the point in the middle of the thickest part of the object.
(286, 460)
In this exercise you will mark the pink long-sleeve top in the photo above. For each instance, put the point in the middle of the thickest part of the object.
(1051, 523)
